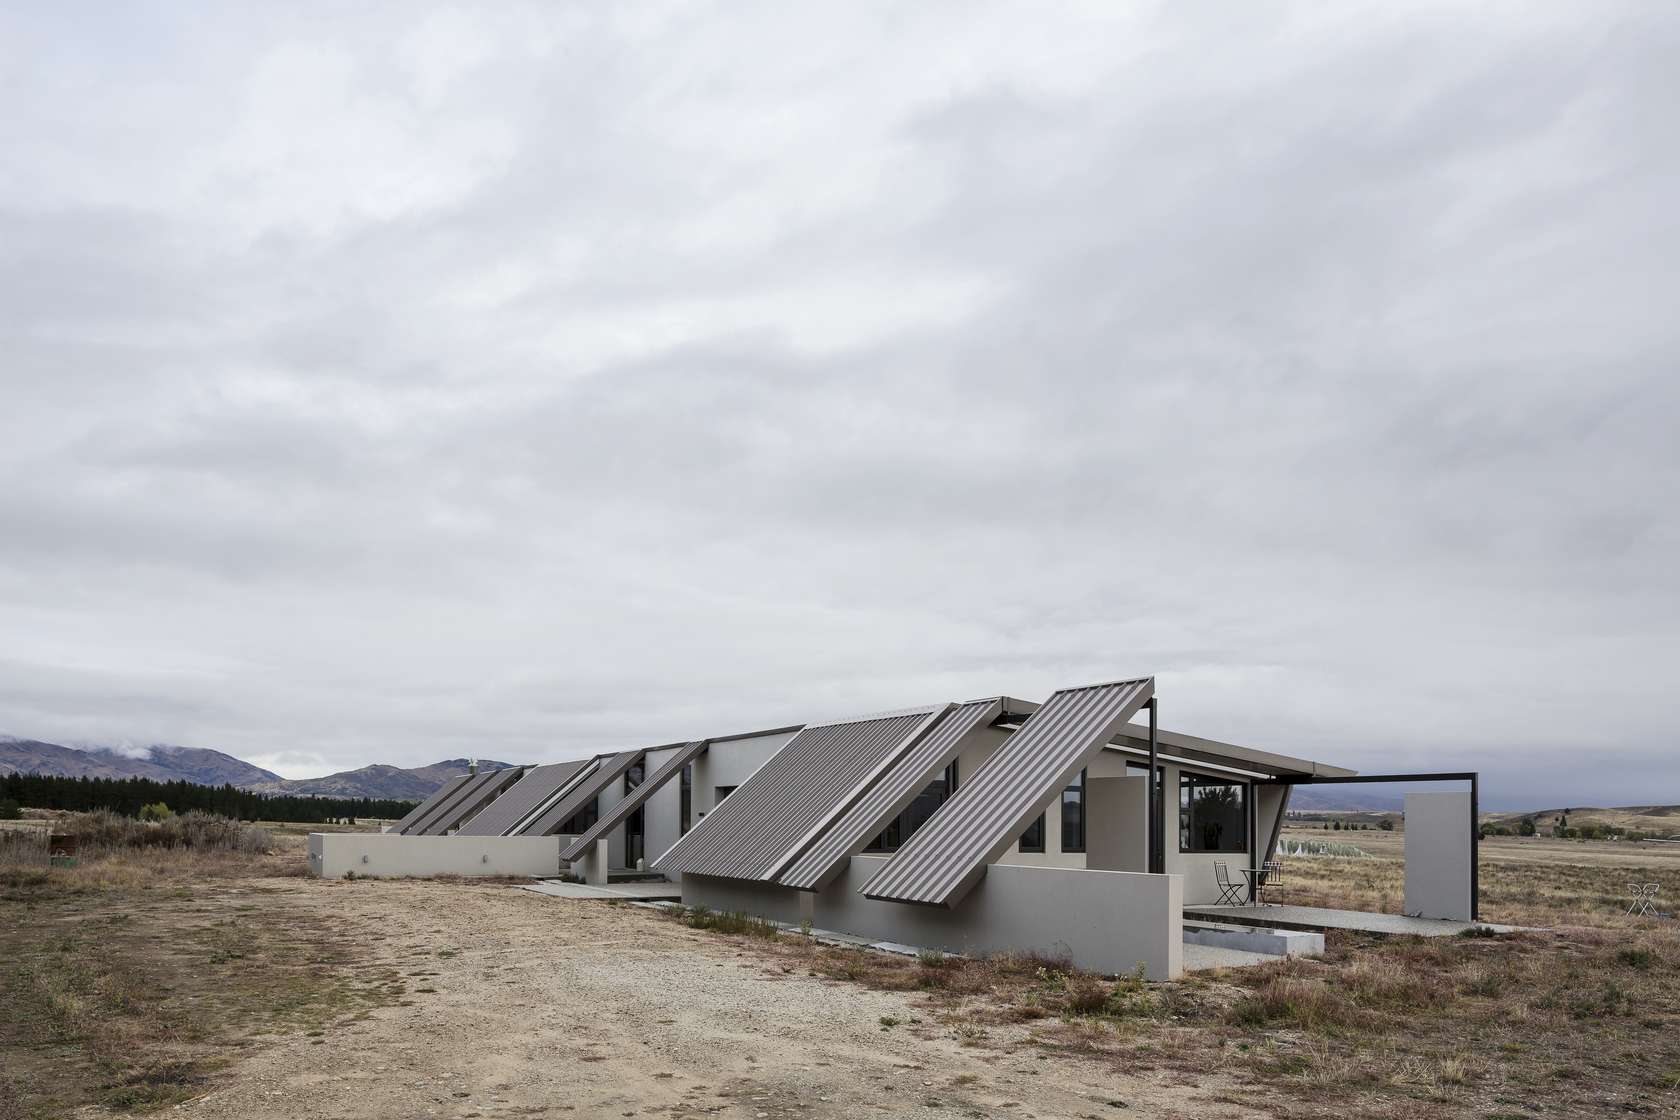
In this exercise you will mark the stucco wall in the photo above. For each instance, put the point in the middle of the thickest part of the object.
(1105, 921)
(1438, 854)
(385, 855)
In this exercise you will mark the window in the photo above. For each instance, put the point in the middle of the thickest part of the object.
(1212, 815)
(916, 813)
(583, 820)
(1032, 840)
(633, 777)
(1073, 815)
(686, 785)
(719, 793)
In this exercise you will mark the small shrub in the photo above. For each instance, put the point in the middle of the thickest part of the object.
(1286, 1001)
(734, 922)
(156, 811)
(1638, 958)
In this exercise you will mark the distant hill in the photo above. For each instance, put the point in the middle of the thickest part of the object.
(1331, 798)
(160, 761)
(378, 781)
(165, 762)
(1658, 819)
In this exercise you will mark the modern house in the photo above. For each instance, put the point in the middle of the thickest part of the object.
(994, 824)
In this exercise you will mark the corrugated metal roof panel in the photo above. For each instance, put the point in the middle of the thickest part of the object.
(529, 792)
(581, 795)
(633, 800)
(472, 799)
(783, 807)
(889, 796)
(418, 828)
(950, 853)
(425, 807)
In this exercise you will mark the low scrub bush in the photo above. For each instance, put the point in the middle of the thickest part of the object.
(194, 831)
(732, 922)
(1293, 1002)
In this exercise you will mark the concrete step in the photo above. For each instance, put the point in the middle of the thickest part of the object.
(1273, 942)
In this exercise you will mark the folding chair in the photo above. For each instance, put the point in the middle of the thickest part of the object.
(1270, 880)
(1644, 899)
(1230, 894)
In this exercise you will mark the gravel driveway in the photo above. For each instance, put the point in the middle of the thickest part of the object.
(524, 1005)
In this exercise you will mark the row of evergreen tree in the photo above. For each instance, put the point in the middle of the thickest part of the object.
(128, 795)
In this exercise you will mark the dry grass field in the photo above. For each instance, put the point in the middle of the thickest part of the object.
(1525, 880)
(229, 984)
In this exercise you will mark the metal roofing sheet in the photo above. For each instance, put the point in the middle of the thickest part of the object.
(529, 792)
(443, 804)
(581, 795)
(949, 853)
(471, 800)
(889, 796)
(633, 800)
(425, 807)
(775, 814)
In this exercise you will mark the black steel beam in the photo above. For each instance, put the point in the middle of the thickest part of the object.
(1471, 776)
(1156, 832)
(1366, 779)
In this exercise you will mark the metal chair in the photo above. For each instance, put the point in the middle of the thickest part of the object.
(1644, 899)
(1230, 894)
(1270, 879)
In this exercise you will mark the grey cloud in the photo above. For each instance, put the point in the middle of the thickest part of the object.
(400, 384)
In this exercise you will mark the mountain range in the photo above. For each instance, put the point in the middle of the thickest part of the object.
(164, 762)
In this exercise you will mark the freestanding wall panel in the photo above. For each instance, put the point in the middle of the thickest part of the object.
(1438, 854)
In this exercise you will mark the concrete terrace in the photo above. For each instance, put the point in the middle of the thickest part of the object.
(1319, 918)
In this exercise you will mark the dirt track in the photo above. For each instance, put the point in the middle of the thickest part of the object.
(544, 1006)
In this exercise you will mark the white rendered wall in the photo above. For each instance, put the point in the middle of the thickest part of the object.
(1104, 921)
(1438, 855)
(387, 855)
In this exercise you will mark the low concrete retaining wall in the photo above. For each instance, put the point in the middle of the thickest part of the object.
(387, 855)
(1275, 942)
(1104, 921)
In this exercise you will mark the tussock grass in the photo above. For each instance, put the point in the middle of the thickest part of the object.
(130, 981)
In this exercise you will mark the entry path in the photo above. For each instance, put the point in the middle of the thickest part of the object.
(523, 1005)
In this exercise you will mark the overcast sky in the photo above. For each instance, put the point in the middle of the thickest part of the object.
(385, 385)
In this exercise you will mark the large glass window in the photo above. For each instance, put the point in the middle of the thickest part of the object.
(1073, 815)
(583, 820)
(916, 814)
(1032, 840)
(1212, 814)
(686, 785)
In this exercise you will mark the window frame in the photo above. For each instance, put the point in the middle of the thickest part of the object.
(1189, 780)
(1077, 785)
(1030, 847)
(881, 845)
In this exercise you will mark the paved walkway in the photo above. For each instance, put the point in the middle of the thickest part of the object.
(638, 890)
(1318, 918)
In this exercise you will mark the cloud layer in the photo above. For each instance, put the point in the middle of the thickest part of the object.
(401, 384)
